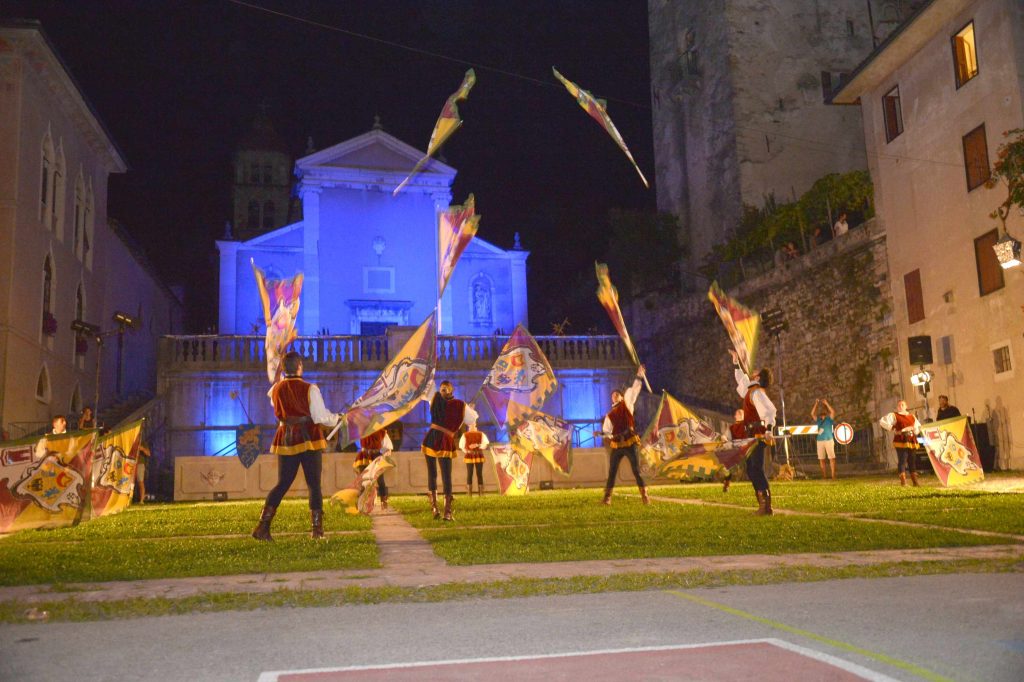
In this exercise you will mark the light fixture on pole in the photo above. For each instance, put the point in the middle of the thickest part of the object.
(1007, 251)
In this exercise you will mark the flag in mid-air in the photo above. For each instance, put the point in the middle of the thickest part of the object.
(741, 323)
(447, 123)
(44, 482)
(457, 225)
(702, 461)
(521, 378)
(952, 451)
(116, 458)
(597, 109)
(548, 436)
(608, 295)
(673, 428)
(398, 388)
(359, 497)
(280, 300)
(511, 468)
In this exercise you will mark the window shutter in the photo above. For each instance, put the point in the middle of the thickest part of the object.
(915, 299)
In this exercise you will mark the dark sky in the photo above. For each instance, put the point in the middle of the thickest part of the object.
(178, 83)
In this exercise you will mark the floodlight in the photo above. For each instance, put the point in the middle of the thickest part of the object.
(1007, 251)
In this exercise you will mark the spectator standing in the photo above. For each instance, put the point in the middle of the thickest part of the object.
(841, 227)
(826, 442)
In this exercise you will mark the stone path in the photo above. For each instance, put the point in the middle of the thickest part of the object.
(408, 560)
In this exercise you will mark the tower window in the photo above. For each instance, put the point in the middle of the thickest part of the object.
(893, 114)
(965, 55)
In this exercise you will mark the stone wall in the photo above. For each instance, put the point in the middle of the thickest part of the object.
(839, 344)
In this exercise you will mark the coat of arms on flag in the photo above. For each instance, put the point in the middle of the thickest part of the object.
(117, 456)
(673, 428)
(548, 436)
(511, 468)
(520, 378)
(45, 482)
(52, 485)
(952, 452)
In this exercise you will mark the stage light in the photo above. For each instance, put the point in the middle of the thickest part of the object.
(84, 328)
(124, 319)
(921, 378)
(1007, 251)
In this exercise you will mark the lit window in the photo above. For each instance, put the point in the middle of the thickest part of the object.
(893, 114)
(965, 55)
(976, 158)
(1001, 361)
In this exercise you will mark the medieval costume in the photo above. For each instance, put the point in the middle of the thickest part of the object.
(758, 421)
(473, 444)
(375, 445)
(447, 415)
(904, 427)
(619, 431)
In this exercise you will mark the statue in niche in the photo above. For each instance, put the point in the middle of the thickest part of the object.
(481, 301)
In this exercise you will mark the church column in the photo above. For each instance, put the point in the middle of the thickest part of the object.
(310, 261)
(520, 312)
(442, 200)
(228, 287)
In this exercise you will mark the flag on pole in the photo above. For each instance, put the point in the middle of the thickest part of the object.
(456, 227)
(520, 378)
(359, 497)
(953, 454)
(280, 300)
(597, 108)
(398, 388)
(673, 428)
(702, 461)
(608, 295)
(115, 461)
(447, 123)
(548, 436)
(511, 468)
(741, 323)
(44, 483)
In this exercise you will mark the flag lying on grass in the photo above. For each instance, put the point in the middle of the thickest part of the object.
(511, 468)
(741, 323)
(520, 379)
(457, 225)
(280, 299)
(701, 462)
(45, 482)
(359, 497)
(398, 388)
(597, 108)
(952, 451)
(447, 123)
(673, 428)
(116, 458)
(548, 436)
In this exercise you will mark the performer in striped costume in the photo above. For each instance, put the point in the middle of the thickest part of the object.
(299, 441)
(375, 445)
(447, 415)
(904, 427)
(473, 444)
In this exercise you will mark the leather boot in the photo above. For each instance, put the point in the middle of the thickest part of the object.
(607, 496)
(433, 504)
(384, 503)
(479, 489)
(761, 503)
(449, 504)
(469, 490)
(903, 478)
(913, 479)
(768, 503)
(262, 531)
(725, 484)
(316, 518)
(643, 496)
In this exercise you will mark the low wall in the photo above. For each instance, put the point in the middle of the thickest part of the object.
(199, 478)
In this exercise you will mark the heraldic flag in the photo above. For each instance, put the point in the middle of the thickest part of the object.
(361, 495)
(700, 462)
(741, 323)
(398, 388)
(951, 449)
(608, 295)
(447, 123)
(280, 300)
(511, 468)
(548, 436)
(598, 111)
(520, 379)
(456, 228)
(44, 483)
(115, 460)
(673, 428)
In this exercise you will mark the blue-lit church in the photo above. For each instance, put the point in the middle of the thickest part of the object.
(369, 258)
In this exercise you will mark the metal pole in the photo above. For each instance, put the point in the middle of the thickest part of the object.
(99, 358)
(782, 397)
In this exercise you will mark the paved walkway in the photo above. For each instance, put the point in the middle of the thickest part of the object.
(407, 560)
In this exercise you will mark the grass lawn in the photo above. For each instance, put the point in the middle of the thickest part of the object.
(879, 497)
(572, 525)
(167, 541)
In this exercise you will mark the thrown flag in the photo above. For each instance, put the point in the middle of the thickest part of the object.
(548, 436)
(511, 469)
(608, 295)
(115, 461)
(280, 300)
(597, 108)
(741, 323)
(397, 390)
(673, 428)
(952, 451)
(520, 378)
(361, 495)
(457, 225)
(701, 462)
(45, 482)
(447, 123)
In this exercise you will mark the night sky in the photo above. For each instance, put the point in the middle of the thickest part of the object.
(178, 84)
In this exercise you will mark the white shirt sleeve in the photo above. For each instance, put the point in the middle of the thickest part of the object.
(469, 415)
(386, 445)
(462, 443)
(632, 393)
(606, 426)
(483, 441)
(742, 382)
(888, 421)
(317, 410)
(765, 408)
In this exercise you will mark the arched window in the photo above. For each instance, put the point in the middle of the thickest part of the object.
(268, 215)
(57, 193)
(76, 400)
(254, 215)
(43, 385)
(481, 292)
(88, 228)
(44, 187)
(80, 303)
(47, 286)
(79, 228)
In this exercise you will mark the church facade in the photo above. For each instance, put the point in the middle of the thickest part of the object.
(370, 258)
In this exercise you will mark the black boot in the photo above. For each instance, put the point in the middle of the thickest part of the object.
(449, 505)
(607, 496)
(433, 504)
(262, 531)
(316, 517)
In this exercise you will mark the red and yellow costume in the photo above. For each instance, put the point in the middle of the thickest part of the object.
(901, 439)
(473, 443)
(369, 449)
(446, 418)
(296, 430)
(623, 433)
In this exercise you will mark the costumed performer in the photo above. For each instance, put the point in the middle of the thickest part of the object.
(473, 444)
(373, 446)
(447, 415)
(619, 430)
(759, 420)
(904, 427)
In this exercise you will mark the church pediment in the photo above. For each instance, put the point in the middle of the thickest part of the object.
(372, 151)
